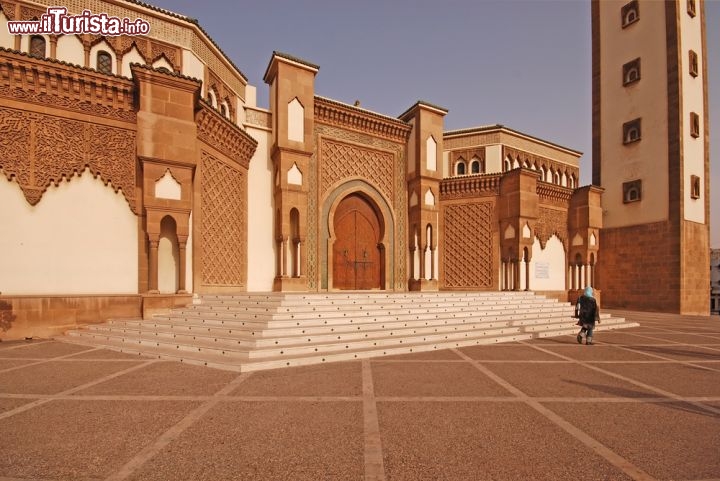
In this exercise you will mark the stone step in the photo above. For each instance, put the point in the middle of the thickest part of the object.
(357, 306)
(248, 331)
(264, 303)
(262, 331)
(212, 359)
(285, 337)
(339, 296)
(341, 314)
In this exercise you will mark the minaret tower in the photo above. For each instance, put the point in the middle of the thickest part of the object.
(651, 153)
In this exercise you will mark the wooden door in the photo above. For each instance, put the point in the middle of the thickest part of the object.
(356, 253)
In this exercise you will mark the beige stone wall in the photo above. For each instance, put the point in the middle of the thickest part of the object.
(647, 159)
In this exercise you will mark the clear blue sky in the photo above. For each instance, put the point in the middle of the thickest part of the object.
(520, 63)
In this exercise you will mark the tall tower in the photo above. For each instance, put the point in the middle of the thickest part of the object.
(651, 153)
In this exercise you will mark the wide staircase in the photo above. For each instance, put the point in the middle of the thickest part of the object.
(247, 332)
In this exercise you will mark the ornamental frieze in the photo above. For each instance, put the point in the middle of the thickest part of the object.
(228, 138)
(52, 84)
(346, 116)
(483, 185)
(40, 150)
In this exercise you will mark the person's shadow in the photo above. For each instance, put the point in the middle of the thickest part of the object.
(629, 393)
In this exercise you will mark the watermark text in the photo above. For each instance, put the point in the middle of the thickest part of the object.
(57, 22)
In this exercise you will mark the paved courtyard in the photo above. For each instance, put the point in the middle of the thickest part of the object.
(643, 404)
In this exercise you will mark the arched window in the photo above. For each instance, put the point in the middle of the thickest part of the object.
(630, 13)
(37, 46)
(475, 166)
(631, 131)
(212, 98)
(104, 62)
(631, 72)
(460, 168)
(632, 191)
(223, 110)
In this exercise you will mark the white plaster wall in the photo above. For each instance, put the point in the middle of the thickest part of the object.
(193, 67)
(102, 46)
(692, 101)
(647, 98)
(81, 238)
(493, 159)
(552, 257)
(431, 153)
(70, 49)
(296, 121)
(189, 258)
(6, 40)
(162, 62)
(133, 56)
(294, 176)
(251, 96)
(411, 148)
(166, 187)
(168, 258)
(261, 242)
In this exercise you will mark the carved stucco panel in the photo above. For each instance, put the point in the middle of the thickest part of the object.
(224, 223)
(468, 245)
(551, 221)
(39, 150)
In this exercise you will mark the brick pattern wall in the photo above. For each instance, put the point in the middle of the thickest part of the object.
(639, 268)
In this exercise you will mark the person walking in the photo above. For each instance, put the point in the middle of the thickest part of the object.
(588, 313)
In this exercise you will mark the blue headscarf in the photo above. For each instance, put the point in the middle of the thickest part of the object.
(588, 291)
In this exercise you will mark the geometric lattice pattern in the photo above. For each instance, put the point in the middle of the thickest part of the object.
(468, 245)
(224, 224)
(342, 161)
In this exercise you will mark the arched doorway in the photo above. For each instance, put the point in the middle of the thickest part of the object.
(358, 260)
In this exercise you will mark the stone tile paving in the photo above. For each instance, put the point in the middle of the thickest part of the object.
(641, 404)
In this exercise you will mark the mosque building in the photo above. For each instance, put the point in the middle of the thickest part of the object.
(139, 171)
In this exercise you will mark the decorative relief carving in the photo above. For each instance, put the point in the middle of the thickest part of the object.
(552, 221)
(471, 140)
(8, 9)
(53, 84)
(224, 223)
(219, 132)
(467, 187)
(15, 146)
(30, 13)
(170, 53)
(258, 118)
(468, 257)
(342, 161)
(39, 150)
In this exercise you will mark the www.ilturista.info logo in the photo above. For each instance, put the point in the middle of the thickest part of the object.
(57, 22)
